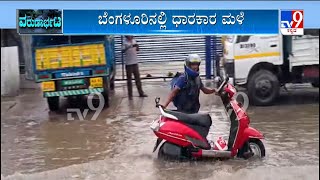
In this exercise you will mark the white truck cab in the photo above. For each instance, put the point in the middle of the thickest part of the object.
(262, 63)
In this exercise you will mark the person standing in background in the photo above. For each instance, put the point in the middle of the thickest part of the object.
(130, 49)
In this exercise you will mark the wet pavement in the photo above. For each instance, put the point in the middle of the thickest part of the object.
(36, 144)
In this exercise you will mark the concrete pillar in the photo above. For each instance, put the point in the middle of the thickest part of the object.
(27, 53)
(10, 76)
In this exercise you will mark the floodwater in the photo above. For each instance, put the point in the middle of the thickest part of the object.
(36, 144)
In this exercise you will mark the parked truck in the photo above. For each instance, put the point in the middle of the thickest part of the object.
(264, 63)
(73, 66)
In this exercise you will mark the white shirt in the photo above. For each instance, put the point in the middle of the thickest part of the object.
(130, 55)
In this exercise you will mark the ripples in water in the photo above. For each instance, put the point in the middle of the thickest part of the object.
(119, 146)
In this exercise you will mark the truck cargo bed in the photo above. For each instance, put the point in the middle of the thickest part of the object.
(70, 56)
(305, 51)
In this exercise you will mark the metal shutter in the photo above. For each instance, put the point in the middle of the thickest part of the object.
(160, 55)
(217, 45)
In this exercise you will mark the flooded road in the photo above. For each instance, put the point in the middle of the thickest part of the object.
(36, 144)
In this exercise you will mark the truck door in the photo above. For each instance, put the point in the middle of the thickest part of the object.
(251, 50)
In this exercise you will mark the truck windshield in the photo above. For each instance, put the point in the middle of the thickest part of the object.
(242, 39)
(230, 39)
(311, 32)
(41, 41)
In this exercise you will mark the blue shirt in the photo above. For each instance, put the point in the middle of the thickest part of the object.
(182, 82)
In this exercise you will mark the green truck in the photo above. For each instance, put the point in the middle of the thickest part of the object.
(73, 66)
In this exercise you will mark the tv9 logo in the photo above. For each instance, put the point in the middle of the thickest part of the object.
(292, 22)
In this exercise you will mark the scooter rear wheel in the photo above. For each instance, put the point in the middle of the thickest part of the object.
(169, 151)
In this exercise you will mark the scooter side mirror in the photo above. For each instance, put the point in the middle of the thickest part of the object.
(157, 101)
(217, 79)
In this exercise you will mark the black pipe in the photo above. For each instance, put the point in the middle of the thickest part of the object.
(155, 77)
(122, 62)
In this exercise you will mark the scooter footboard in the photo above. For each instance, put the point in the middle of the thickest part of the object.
(216, 154)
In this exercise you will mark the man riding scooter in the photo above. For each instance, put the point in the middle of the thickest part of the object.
(186, 87)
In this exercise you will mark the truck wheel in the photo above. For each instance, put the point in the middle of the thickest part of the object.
(112, 84)
(315, 84)
(263, 88)
(106, 98)
(53, 103)
(105, 92)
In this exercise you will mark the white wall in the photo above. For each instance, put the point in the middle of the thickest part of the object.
(10, 77)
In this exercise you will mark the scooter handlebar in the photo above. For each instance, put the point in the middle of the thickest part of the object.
(157, 100)
(226, 80)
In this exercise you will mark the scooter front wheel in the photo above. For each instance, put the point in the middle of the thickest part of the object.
(257, 148)
(252, 148)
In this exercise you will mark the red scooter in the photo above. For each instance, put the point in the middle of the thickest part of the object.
(184, 136)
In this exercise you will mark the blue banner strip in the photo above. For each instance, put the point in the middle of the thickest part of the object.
(8, 8)
(165, 22)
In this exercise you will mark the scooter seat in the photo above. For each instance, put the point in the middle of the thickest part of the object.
(203, 120)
